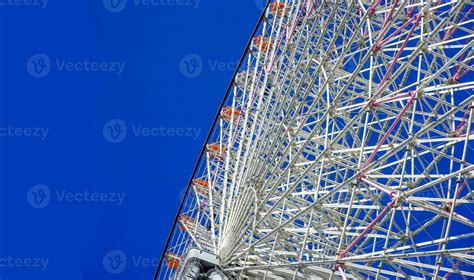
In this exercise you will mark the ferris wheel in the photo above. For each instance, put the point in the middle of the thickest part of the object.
(343, 149)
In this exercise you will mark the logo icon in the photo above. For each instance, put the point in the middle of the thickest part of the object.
(38, 196)
(38, 65)
(115, 131)
(115, 261)
(114, 6)
(191, 65)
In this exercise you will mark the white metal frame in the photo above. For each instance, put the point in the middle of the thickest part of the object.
(351, 156)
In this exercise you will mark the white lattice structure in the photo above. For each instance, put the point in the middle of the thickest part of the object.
(343, 148)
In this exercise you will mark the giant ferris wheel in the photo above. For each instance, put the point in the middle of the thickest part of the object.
(343, 149)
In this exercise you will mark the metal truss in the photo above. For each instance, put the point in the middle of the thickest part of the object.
(343, 148)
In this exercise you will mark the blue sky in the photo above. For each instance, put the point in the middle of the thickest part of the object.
(104, 108)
